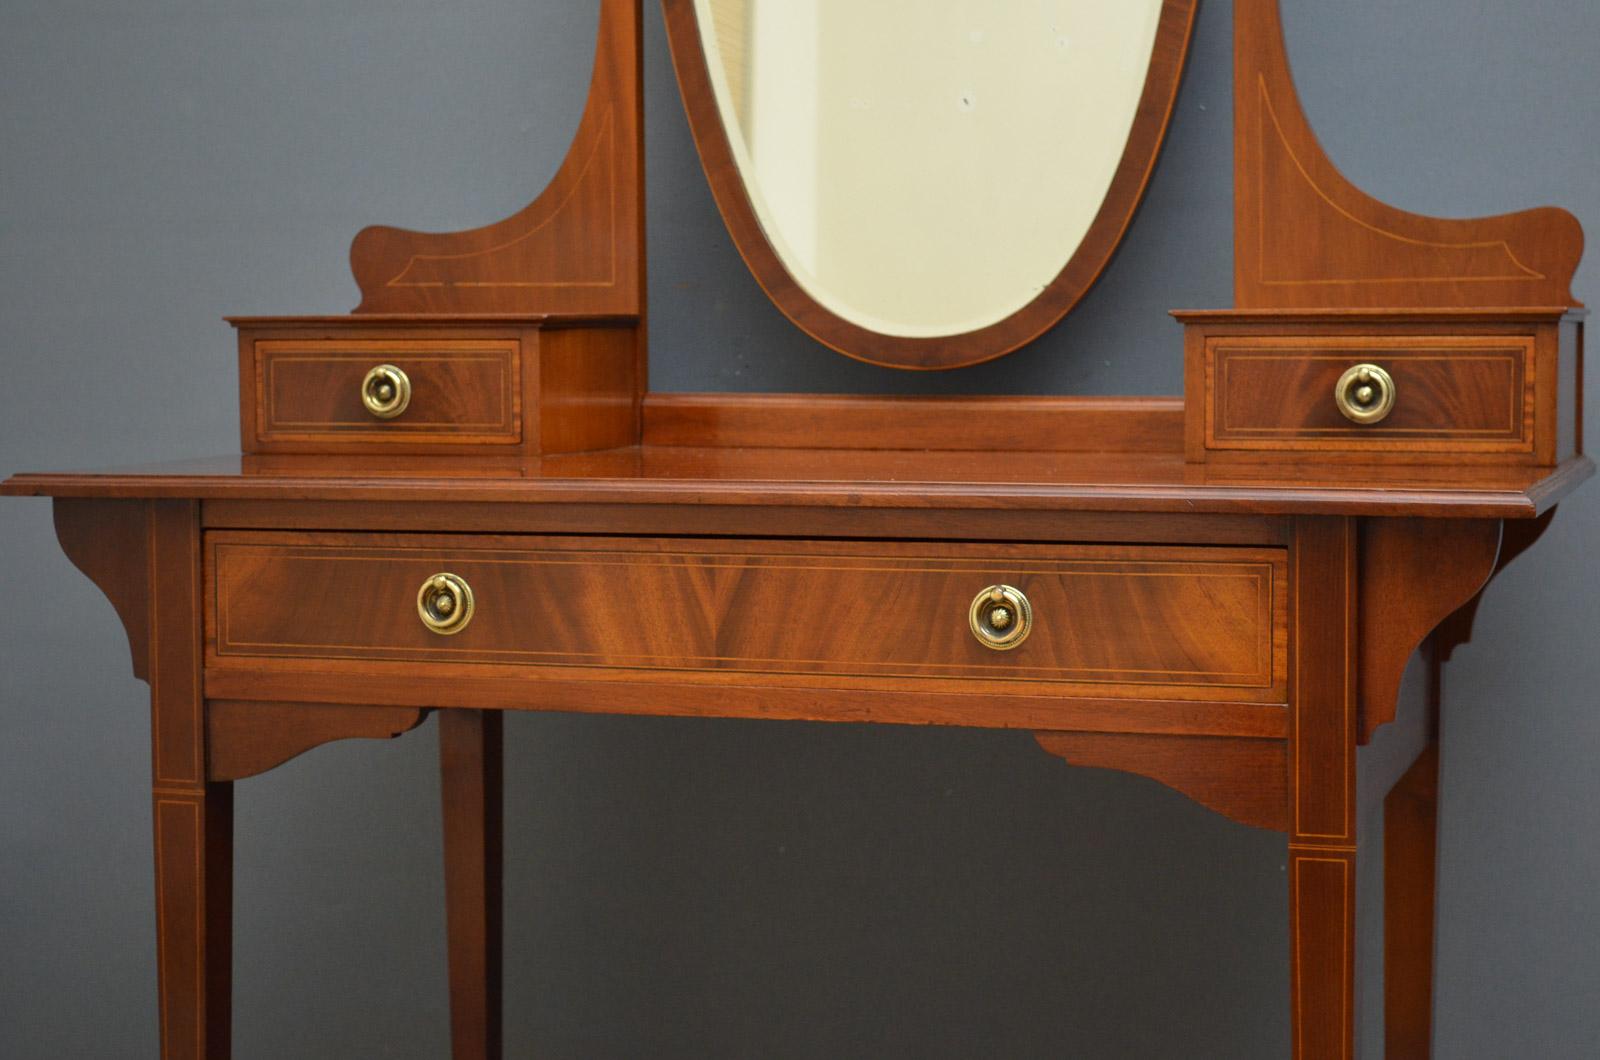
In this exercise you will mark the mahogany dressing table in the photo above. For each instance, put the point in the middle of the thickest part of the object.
(462, 499)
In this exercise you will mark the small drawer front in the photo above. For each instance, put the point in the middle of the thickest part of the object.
(1118, 620)
(1456, 393)
(455, 391)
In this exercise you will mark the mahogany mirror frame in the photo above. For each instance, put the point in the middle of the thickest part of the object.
(1056, 300)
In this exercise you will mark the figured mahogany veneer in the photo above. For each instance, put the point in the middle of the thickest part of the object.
(1502, 386)
(1307, 238)
(320, 641)
(1110, 621)
(462, 390)
(479, 384)
(244, 739)
(1470, 317)
(558, 287)
(1226, 590)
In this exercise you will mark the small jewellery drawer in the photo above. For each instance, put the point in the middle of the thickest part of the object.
(1458, 393)
(1169, 623)
(387, 391)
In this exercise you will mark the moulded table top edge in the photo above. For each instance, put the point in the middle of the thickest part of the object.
(920, 480)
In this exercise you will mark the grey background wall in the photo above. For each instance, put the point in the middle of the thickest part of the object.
(695, 888)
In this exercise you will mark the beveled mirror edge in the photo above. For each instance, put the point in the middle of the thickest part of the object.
(1055, 301)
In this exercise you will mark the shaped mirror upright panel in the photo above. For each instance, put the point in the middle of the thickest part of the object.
(928, 184)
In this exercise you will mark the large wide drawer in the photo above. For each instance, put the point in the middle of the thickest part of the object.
(1200, 622)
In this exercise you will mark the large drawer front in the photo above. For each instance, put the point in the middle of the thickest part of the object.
(1118, 618)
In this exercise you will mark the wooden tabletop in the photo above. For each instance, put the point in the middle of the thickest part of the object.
(1136, 482)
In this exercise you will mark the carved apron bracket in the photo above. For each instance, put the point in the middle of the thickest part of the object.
(1412, 575)
(1244, 779)
(246, 739)
(109, 541)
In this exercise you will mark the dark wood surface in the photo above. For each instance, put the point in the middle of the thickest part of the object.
(1458, 396)
(462, 391)
(1014, 423)
(1342, 588)
(245, 738)
(853, 480)
(1363, 580)
(577, 248)
(1480, 386)
(1245, 780)
(1305, 237)
(1111, 621)
(1322, 787)
(1410, 851)
(192, 815)
(480, 385)
(1415, 575)
(951, 351)
(471, 795)
(811, 557)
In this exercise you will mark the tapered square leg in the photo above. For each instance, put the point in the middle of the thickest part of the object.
(1322, 952)
(192, 817)
(194, 911)
(470, 786)
(1322, 792)
(1410, 839)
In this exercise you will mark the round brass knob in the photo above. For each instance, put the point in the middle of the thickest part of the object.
(445, 604)
(386, 391)
(1000, 617)
(1365, 394)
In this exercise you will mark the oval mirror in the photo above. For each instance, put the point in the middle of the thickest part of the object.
(928, 183)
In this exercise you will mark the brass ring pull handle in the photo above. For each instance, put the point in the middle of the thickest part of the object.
(445, 604)
(1001, 617)
(386, 391)
(1365, 394)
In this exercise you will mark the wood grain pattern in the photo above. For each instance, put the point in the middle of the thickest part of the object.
(590, 383)
(577, 248)
(985, 424)
(778, 698)
(873, 485)
(1322, 952)
(474, 384)
(1568, 385)
(706, 521)
(1244, 780)
(1322, 788)
(193, 817)
(1453, 394)
(1516, 537)
(481, 386)
(245, 739)
(973, 347)
(1479, 385)
(1305, 237)
(462, 391)
(1410, 844)
(470, 785)
(1413, 575)
(109, 540)
(1111, 620)
(1233, 630)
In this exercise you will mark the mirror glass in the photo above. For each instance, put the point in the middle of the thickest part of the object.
(927, 167)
